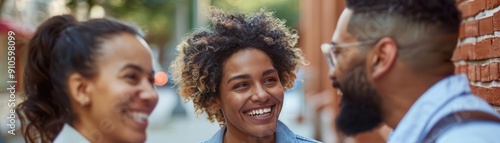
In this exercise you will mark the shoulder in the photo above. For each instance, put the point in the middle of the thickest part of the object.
(477, 132)
(285, 135)
(69, 134)
(302, 139)
(217, 138)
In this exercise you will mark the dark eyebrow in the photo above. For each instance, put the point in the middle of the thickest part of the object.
(269, 71)
(132, 66)
(136, 67)
(246, 76)
(243, 76)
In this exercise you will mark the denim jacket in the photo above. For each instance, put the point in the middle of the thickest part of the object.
(449, 95)
(283, 135)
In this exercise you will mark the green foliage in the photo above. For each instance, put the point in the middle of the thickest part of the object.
(283, 9)
(156, 17)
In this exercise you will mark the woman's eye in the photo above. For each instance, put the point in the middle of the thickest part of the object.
(270, 80)
(240, 86)
(131, 77)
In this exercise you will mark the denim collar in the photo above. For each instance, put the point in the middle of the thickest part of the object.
(283, 135)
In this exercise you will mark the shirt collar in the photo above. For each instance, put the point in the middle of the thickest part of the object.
(283, 134)
(69, 134)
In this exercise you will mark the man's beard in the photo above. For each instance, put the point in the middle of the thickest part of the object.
(360, 109)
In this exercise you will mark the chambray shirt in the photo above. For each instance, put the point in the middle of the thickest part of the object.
(70, 135)
(283, 135)
(449, 95)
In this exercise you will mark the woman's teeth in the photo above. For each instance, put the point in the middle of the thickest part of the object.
(259, 112)
(140, 117)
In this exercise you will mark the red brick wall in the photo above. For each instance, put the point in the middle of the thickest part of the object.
(478, 52)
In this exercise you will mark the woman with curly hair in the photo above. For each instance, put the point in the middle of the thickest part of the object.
(88, 81)
(236, 71)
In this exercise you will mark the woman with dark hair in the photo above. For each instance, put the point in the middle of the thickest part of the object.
(236, 71)
(87, 81)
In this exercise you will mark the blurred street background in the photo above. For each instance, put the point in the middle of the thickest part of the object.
(309, 108)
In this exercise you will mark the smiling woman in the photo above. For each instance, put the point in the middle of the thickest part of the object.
(236, 71)
(87, 81)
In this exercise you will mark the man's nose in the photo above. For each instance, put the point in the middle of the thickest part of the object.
(331, 73)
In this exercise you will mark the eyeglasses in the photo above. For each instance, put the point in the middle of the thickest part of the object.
(329, 50)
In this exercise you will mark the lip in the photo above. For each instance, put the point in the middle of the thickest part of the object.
(261, 119)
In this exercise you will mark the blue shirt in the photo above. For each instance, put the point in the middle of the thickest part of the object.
(451, 94)
(283, 135)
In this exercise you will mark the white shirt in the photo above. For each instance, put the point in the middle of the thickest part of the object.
(70, 135)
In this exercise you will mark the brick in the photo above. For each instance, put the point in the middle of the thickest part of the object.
(461, 32)
(471, 29)
(463, 69)
(489, 94)
(486, 26)
(495, 71)
(490, 4)
(471, 72)
(496, 21)
(478, 6)
(471, 8)
(456, 54)
(471, 53)
(495, 47)
(466, 9)
(482, 50)
(478, 73)
(485, 73)
(464, 51)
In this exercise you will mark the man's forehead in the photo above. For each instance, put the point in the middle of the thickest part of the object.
(341, 33)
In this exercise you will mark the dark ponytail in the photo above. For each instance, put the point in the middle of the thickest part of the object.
(60, 46)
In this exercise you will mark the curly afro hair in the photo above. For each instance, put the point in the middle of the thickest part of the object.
(198, 68)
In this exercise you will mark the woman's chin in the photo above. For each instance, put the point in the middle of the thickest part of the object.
(264, 131)
(134, 137)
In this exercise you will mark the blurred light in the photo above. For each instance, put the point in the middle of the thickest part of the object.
(81, 10)
(97, 11)
(58, 7)
(161, 78)
(20, 4)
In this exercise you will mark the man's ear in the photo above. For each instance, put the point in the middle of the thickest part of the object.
(79, 89)
(382, 57)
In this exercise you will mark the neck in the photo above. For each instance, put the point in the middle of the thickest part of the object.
(232, 134)
(89, 130)
(397, 101)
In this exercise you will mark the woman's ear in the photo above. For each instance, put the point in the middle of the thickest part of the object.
(217, 103)
(79, 89)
